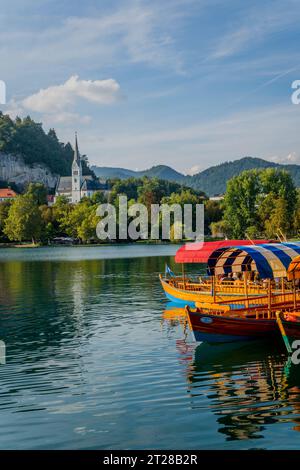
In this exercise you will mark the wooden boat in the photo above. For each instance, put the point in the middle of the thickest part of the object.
(186, 291)
(230, 326)
(258, 317)
(289, 321)
(291, 324)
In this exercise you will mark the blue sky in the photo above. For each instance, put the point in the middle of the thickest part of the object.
(186, 83)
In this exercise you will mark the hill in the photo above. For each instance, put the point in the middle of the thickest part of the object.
(213, 180)
(26, 139)
(163, 172)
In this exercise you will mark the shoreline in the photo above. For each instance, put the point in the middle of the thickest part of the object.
(91, 245)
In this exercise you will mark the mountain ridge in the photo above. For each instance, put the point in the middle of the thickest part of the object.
(212, 180)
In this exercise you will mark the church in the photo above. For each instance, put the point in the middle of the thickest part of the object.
(77, 186)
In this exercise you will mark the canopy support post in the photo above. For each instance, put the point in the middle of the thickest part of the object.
(214, 288)
(294, 291)
(246, 288)
(183, 275)
(269, 298)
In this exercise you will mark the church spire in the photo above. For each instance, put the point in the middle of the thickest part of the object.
(76, 151)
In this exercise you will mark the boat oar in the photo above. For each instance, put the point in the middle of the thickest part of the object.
(283, 333)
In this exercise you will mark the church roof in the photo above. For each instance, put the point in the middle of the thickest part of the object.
(89, 184)
(93, 185)
(64, 184)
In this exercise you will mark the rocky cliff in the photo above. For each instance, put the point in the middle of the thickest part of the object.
(14, 170)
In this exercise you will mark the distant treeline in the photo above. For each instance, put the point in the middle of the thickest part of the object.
(257, 204)
(29, 218)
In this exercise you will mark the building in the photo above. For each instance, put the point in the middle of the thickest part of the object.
(217, 197)
(7, 194)
(77, 186)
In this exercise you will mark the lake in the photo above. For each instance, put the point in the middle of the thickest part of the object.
(94, 362)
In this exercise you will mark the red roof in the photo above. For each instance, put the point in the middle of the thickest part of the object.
(199, 252)
(7, 193)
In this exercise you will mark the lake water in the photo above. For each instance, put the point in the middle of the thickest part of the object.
(94, 363)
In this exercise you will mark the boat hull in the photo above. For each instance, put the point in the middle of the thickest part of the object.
(221, 329)
(183, 297)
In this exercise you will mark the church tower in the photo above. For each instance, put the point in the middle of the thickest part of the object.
(76, 174)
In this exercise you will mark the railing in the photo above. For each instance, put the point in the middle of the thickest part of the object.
(265, 310)
(224, 287)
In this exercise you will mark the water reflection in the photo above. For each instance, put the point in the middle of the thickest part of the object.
(248, 386)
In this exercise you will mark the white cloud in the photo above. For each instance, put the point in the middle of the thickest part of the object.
(194, 170)
(56, 103)
(57, 98)
(292, 158)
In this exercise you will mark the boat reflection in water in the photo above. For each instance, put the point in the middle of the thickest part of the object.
(248, 386)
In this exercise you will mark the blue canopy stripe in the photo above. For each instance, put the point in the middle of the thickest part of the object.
(269, 260)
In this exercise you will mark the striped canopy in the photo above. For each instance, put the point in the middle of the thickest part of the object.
(269, 260)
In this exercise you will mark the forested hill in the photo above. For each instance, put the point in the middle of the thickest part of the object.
(162, 172)
(213, 180)
(27, 138)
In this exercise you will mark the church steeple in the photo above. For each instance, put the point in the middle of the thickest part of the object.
(76, 174)
(76, 151)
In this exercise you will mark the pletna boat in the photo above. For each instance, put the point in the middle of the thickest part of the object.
(248, 317)
(186, 290)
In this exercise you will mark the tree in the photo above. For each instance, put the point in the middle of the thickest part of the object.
(81, 221)
(38, 192)
(4, 210)
(24, 220)
(259, 202)
(279, 183)
(214, 212)
(279, 222)
(240, 202)
(220, 229)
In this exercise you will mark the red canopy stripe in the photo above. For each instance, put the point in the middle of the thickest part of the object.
(199, 252)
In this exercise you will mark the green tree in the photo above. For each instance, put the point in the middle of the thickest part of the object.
(279, 222)
(4, 210)
(259, 202)
(81, 221)
(241, 203)
(38, 192)
(24, 220)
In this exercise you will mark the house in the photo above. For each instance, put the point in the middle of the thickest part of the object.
(77, 186)
(217, 197)
(7, 194)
